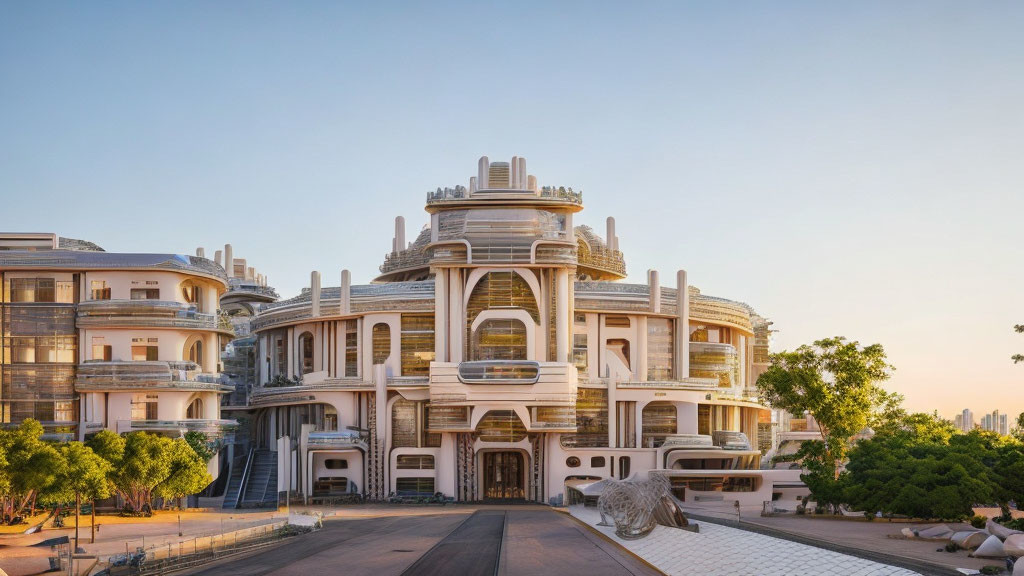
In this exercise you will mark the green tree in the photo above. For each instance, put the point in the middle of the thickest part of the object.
(834, 380)
(200, 443)
(187, 474)
(1019, 328)
(32, 466)
(923, 471)
(145, 463)
(84, 474)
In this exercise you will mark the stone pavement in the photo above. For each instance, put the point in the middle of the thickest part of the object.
(721, 550)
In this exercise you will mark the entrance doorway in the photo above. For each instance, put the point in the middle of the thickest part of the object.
(504, 477)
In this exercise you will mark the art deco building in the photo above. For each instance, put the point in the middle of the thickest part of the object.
(500, 354)
(94, 340)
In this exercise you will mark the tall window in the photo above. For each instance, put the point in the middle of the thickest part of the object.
(417, 344)
(499, 339)
(381, 337)
(579, 352)
(591, 420)
(659, 420)
(195, 352)
(145, 349)
(193, 295)
(195, 409)
(40, 349)
(144, 406)
(409, 425)
(351, 348)
(500, 290)
(659, 349)
(306, 348)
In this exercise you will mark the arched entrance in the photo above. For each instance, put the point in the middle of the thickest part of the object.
(502, 468)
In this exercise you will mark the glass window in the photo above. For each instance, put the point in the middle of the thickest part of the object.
(704, 419)
(417, 344)
(499, 290)
(145, 293)
(144, 406)
(659, 349)
(99, 290)
(415, 462)
(409, 425)
(616, 321)
(659, 420)
(336, 464)
(597, 462)
(22, 290)
(381, 336)
(101, 350)
(65, 292)
(351, 348)
(579, 352)
(424, 486)
(145, 353)
(46, 290)
(499, 339)
(623, 467)
(63, 411)
(591, 420)
(306, 346)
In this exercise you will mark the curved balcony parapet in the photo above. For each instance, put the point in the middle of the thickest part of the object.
(335, 441)
(101, 376)
(212, 428)
(684, 384)
(133, 308)
(149, 314)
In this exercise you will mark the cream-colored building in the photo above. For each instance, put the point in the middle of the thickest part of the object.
(125, 342)
(500, 355)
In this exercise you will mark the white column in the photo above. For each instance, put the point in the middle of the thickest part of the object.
(641, 349)
(200, 252)
(216, 257)
(682, 326)
(513, 173)
(639, 424)
(399, 234)
(562, 320)
(314, 294)
(455, 312)
(440, 314)
(483, 167)
(346, 292)
(523, 178)
(610, 233)
(211, 348)
(613, 414)
(655, 289)
(229, 261)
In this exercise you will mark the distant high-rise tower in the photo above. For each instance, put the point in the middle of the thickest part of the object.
(1004, 424)
(968, 420)
(958, 421)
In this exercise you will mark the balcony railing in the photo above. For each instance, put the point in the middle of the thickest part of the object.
(95, 376)
(212, 428)
(148, 313)
(336, 440)
(459, 194)
(405, 259)
(610, 260)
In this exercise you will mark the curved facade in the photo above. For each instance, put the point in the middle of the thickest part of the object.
(95, 340)
(499, 355)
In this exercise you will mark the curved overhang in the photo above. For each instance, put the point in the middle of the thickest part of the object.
(83, 260)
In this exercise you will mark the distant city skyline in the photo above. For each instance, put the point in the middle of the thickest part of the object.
(844, 169)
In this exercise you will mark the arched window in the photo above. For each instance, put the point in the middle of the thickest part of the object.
(504, 291)
(306, 347)
(500, 426)
(193, 294)
(195, 353)
(659, 420)
(194, 410)
(499, 339)
(381, 335)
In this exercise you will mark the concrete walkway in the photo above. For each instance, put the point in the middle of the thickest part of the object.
(511, 541)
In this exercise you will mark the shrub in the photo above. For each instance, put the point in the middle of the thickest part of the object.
(952, 547)
(992, 569)
(978, 521)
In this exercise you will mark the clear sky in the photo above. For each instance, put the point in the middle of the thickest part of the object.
(852, 169)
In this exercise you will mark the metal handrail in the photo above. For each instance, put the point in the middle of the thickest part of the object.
(246, 472)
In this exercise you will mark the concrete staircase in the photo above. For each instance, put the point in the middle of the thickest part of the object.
(260, 489)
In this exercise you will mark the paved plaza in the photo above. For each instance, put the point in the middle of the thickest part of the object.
(511, 541)
(721, 550)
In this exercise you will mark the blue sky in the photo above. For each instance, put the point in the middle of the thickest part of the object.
(847, 169)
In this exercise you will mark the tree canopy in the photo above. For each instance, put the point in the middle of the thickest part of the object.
(834, 380)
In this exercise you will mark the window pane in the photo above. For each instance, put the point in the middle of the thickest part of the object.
(417, 344)
(659, 349)
(381, 343)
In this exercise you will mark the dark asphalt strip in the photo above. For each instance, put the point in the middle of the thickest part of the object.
(472, 549)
